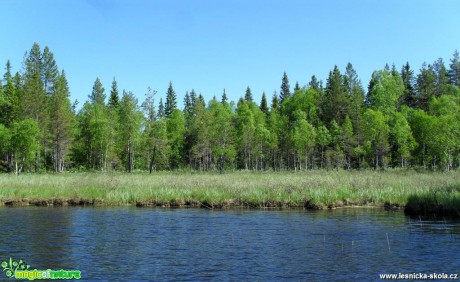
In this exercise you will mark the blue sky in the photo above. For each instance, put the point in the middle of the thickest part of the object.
(210, 45)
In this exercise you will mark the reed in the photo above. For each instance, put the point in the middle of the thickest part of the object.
(316, 189)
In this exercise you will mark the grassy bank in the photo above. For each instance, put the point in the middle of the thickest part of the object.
(310, 189)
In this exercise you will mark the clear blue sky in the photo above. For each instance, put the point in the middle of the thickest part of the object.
(210, 45)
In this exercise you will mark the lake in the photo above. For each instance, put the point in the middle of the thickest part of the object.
(128, 243)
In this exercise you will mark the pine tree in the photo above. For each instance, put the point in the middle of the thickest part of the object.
(34, 102)
(50, 72)
(248, 94)
(263, 104)
(98, 94)
(285, 88)
(171, 103)
(148, 106)
(61, 121)
(114, 99)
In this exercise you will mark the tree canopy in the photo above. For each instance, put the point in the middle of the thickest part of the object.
(406, 119)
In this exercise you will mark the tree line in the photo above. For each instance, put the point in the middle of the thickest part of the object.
(402, 119)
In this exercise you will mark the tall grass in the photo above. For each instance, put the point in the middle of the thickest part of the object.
(310, 189)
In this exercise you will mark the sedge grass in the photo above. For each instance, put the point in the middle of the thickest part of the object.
(310, 189)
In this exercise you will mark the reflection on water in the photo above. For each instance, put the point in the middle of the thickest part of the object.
(198, 244)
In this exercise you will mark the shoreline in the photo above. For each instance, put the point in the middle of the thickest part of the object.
(418, 194)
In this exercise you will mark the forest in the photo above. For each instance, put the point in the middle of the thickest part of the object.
(402, 119)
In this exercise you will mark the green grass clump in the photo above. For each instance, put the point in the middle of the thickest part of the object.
(305, 189)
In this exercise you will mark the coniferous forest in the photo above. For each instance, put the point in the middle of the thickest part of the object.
(400, 118)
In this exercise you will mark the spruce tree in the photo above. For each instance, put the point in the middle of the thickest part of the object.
(296, 87)
(285, 88)
(161, 109)
(275, 102)
(187, 105)
(454, 70)
(263, 104)
(425, 86)
(192, 97)
(248, 94)
(315, 84)
(224, 98)
(171, 103)
(335, 103)
(442, 78)
(407, 76)
(114, 99)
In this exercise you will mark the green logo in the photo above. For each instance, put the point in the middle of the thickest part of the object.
(21, 270)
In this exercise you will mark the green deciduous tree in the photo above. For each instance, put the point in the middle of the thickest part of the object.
(25, 142)
(303, 137)
(98, 94)
(129, 130)
(401, 138)
(376, 132)
(386, 92)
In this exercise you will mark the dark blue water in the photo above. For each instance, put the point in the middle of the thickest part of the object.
(132, 244)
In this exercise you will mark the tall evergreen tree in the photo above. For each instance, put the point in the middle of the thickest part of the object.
(224, 98)
(8, 99)
(193, 97)
(334, 104)
(356, 97)
(34, 102)
(425, 86)
(454, 70)
(296, 87)
(114, 99)
(275, 102)
(61, 121)
(442, 78)
(248, 94)
(171, 101)
(315, 84)
(50, 72)
(285, 88)
(187, 105)
(161, 109)
(263, 104)
(407, 76)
